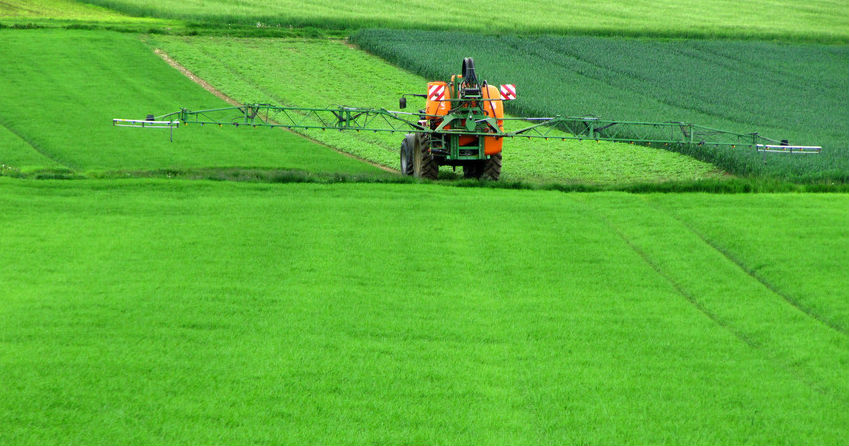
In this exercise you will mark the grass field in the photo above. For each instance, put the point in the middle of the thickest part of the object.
(817, 20)
(321, 73)
(795, 92)
(171, 311)
(62, 89)
(141, 303)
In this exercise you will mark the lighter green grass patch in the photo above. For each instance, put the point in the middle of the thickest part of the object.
(162, 312)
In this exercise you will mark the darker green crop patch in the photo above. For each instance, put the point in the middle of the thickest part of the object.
(782, 91)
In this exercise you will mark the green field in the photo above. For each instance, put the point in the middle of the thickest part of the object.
(794, 92)
(63, 88)
(818, 20)
(171, 311)
(313, 298)
(322, 73)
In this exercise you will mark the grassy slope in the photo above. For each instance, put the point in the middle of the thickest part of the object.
(62, 88)
(319, 73)
(823, 20)
(795, 92)
(154, 311)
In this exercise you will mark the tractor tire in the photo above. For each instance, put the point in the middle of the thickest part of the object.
(424, 165)
(407, 146)
(492, 168)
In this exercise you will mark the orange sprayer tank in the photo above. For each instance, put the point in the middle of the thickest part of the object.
(494, 109)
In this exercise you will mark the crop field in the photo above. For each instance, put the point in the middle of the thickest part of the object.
(171, 311)
(62, 89)
(817, 20)
(321, 73)
(253, 286)
(795, 92)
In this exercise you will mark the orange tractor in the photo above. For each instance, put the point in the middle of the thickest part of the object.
(460, 114)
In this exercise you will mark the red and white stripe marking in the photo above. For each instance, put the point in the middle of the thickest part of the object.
(436, 92)
(508, 92)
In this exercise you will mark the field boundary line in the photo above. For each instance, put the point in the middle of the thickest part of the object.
(35, 146)
(221, 95)
(795, 303)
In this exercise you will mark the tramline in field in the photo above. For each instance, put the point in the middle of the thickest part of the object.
(463, 125)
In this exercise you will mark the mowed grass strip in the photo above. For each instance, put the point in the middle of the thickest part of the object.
(782, 91)
(817, 20)
(170, 311)
(323, 73)
(63, 88)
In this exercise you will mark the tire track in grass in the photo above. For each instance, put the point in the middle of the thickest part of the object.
(35, 146)
(808, 350)
(795, 303)
(677, 286)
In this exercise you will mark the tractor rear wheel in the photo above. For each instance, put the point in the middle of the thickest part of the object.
(407, 146)
(492, 168)
(424, 165)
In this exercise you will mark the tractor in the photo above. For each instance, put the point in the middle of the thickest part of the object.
(463, 104)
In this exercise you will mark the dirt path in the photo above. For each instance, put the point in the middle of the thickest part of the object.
(218, 93)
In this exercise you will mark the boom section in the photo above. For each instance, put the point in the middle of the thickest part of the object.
(465, 122)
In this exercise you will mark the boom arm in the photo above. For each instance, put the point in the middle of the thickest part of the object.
(381, 120)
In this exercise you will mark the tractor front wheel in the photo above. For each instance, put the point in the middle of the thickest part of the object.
(407, 146)
(424, 165)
